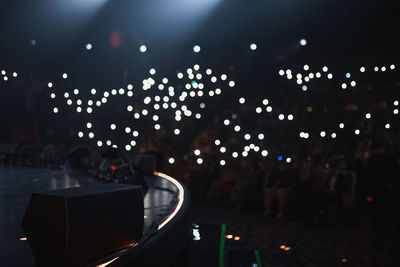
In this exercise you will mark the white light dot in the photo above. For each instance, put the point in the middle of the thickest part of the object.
(65, 76)
(91, 135)
(376, 69)
(15, 74)
(171, 160)
(89, 125)
(330, 76)
(304, 88)
(368, 115)
(197, 152)
(392, 67)
(113, 126)
(127, 129)
(344, 85)
(108, 142)
(245, 153)
(387, 125)
(136, 115)
(362, 69)
(226, 122)
(222, 149)
(264, 153)
(306, 67)
(55, 110)
(258, 110)
(333, 135)
(128, 147)
(213, 79)
(237, 128)
(79, 109)
(217, 142)
(383, 69)
(69, 102)
(318, 75)
(50, 84)
(76, 91)
(89, 110)
(199, 161)
(143, 48)
(303, 42)
(325, 69)
(348, 75)
(53, 95)
(196, 48)
(261, 136)
(157, 126)
(281, 117)
(222, 162)
(177, 131)
(357, 132)
(99, 143)
(242, 100)
(288, 160)
(247, 136)
(281, 72)
(80, 134)
(235, 154)
(396, 103)
(5, 78)
(322, 133)
(396, 111)
(145, 112)
(253, 46)
(129, 108)
(135, 133)
(269, 109)
(231, 83)
(290, 117)
(89, 46)
(341, 125)
(353, 83)
(93, 91)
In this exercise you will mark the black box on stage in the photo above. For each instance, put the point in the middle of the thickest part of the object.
(68, 225)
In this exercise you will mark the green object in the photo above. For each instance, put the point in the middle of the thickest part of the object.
(221, 246)
(257, 254)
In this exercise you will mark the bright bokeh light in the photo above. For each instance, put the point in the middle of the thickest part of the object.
(222, 162)
(341, 125)
(242, 100)
(306, 67)
(113, 126)
(387, 126)
(362, 69)
(322, 133)
(253, 46)
(261, 136)
(143, 48)
(217, 142)
(197, 152)
(303, 42)
(247, 136)
(196, 48)
(89, 46)
(368, 116)
(171, 160)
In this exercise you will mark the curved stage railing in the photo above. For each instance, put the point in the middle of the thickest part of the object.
(167, 227)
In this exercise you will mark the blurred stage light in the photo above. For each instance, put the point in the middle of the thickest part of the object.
(362, 69)
(261, 136)
(88, 125)
(65, 76)
(91, 135)
(143, 48)
(199, 161)
(392, 67)
(53, 95)
(253, 46)
(348, 75)
(330, 76)
(55, 110)
(237, 128)
(357, 131)
(303, 42)
(322, 133)
(222, 162)
(324, 68)
(306, 67)
(196, 48)
(341, 125)
(368, 116)
(89, 46)
(247, 136)
(264, 153)
(217, 142)
(344, 85)
(80, 134)
(171, 160)
(242, 100)
(113, 126)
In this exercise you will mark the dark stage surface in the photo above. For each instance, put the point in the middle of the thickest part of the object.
(16, 186)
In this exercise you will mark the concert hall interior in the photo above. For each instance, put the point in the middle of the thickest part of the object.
(199, 133)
